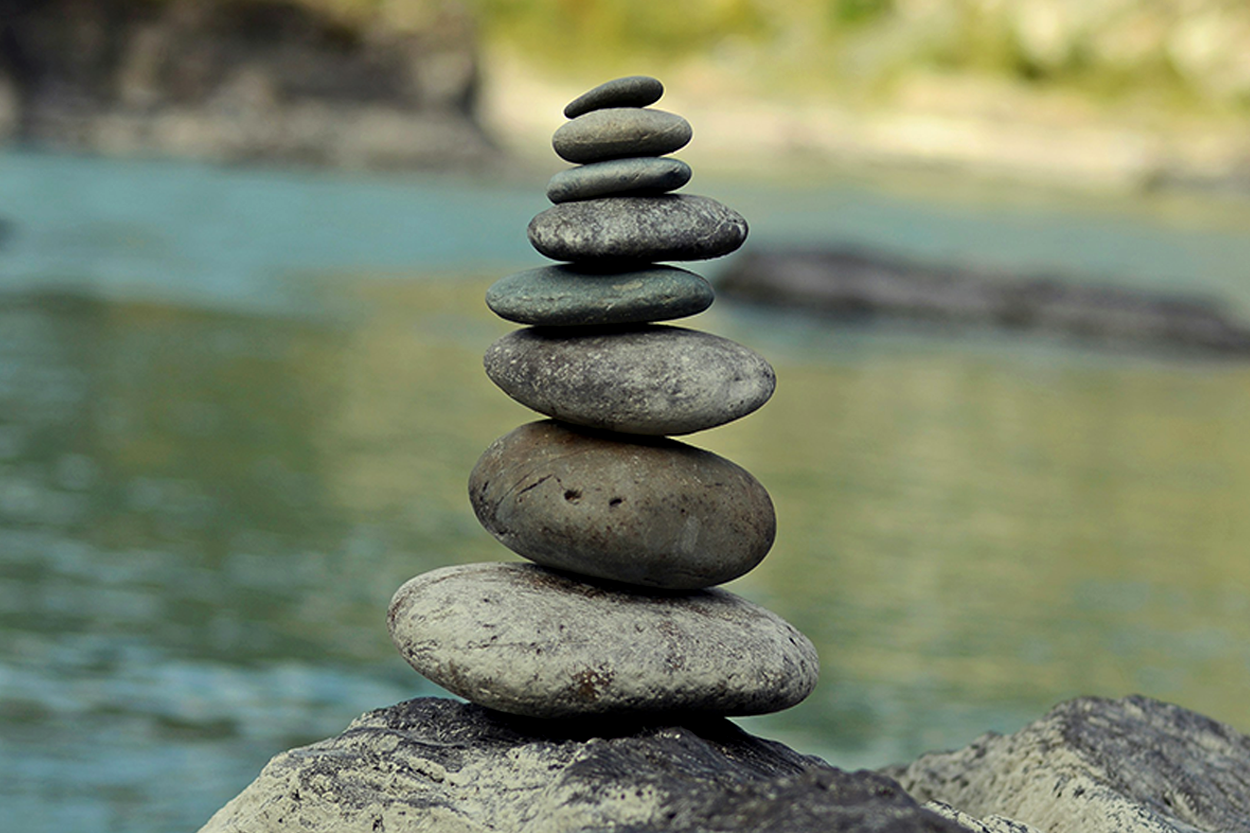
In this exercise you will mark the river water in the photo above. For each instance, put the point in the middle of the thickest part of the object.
(238, 409)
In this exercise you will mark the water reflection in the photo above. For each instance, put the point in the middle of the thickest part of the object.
(203, 515)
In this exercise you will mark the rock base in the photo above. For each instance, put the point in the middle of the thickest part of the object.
(440, 765)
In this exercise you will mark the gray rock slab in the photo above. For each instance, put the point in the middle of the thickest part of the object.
(664, 227)
(620, 131)
(655, 512)
(645, 174)
(630, 91)
(1094, 765)
(527, 640)
(436, 764)
(650, 379)
(566, 295)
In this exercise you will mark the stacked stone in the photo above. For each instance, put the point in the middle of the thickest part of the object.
(628, 530)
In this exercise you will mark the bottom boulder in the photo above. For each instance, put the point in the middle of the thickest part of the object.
(441, 765)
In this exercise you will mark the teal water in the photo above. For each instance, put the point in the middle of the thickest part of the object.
(238, 409)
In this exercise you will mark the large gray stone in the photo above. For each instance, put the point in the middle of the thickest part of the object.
(1099, 766)
(620, 131)
(566, 295)
(439, 766)
(651, 379)
(630, 91)
(646, 174)
(527, 640)
(665, 227)
(656, 513)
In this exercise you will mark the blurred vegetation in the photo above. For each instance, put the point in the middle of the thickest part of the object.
(1191, 53)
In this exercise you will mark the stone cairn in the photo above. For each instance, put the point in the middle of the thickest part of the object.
(628, 530)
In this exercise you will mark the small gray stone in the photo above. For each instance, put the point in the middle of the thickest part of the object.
(630, 91)
(645, 380)
(650, 229)
(526, 640)
(566, 295)
(650, 512)
(620, 131)
(645, 174)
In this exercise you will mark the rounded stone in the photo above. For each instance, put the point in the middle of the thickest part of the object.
(566, 295)
(650, 512)
(525, 640)
(650, 379)
(620, 131)
(646, 174)
(649, 229)
(630, 91)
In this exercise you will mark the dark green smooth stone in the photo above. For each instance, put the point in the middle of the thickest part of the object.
(568, 296)
(618, 132)
(630, 91)
(646, 174)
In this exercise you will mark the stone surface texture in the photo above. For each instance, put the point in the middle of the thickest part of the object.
(664, 227)
(440, 766)
(1093, 765)
(658, 513)
(630, 91)
(653, 379)
(648, 174)
(527, 640)
(618, 132)
(566, 295)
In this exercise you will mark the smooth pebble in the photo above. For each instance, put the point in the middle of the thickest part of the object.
(646, 174)
(526, 640)
(618, 132)
(566, 295)
(630, 91)
(651, 379)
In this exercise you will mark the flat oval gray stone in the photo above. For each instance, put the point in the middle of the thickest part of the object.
(647, 174)
(630, 91)
(650, 229)
(650, 512)
(651, 379)
(525, 640)
(566, 295)
(620, 131)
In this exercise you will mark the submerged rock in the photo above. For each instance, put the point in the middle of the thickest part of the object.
(438, 765)
(1099, 766)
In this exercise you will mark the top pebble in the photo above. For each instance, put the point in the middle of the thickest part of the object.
(631, 91)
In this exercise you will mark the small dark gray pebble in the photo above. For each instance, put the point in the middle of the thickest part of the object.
(566, 295)
(643, 380)
(630, 91)
(646, 174)
(618, 132)
(650, 229)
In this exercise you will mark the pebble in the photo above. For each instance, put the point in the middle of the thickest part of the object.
(526, 640)
(647, 174)
(630, 91)
(648, 229)
(650, 512)
(651, 379)
(566, 295)
(620, 131)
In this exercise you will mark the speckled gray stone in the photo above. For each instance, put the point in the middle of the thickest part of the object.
(645, 174)
(651, 512)
(526, 640)
(565, 295)
(650, 379)
(650, 229)
(630, 91)
(620, 131)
